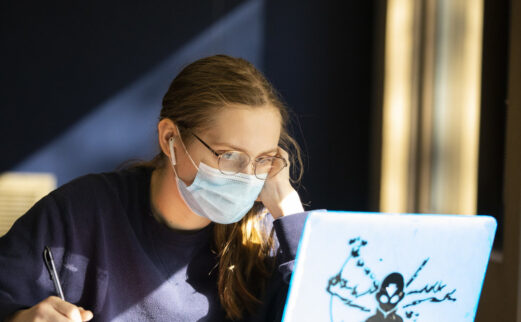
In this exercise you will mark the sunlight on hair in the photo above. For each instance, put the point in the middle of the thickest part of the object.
(251, 233)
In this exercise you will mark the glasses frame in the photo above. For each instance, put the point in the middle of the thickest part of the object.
(219, 155)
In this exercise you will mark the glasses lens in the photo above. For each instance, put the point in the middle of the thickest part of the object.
(266, 168)
(232, 162)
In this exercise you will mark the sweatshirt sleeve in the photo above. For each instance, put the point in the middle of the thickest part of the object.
(288, 230)
(70, 220)
(24, 280)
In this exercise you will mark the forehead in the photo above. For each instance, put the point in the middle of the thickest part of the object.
(252, 129)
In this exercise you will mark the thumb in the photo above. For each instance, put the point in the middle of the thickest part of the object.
(86, 315)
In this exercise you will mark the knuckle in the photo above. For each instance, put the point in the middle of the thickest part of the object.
(40, 309)
(51, 299)
(70, 311)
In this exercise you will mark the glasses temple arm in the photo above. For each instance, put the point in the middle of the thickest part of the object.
(206, 145)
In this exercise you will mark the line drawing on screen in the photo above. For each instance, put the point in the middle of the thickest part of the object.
(394, 299)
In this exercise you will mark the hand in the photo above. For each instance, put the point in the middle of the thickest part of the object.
(52, 309)
(278, 196)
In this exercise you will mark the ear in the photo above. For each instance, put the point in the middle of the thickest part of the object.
(166, 129)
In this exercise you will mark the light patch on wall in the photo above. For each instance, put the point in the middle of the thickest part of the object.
(124, 126)
(397, 105)
(431, 106)
(456, 112)
(19, 192)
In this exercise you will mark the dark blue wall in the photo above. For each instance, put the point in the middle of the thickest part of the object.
(319, 54)
(81, 83)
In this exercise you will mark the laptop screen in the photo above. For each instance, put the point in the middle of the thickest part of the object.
(386, 267)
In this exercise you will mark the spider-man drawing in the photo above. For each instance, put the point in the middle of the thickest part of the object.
(395, 298)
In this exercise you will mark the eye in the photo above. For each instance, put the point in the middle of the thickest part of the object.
(229, 155)
(384, 299)
(264, 161)
(395, 299)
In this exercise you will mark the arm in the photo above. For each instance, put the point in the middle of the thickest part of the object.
(284, 205)
(279, 196)
(25, 286)
(288, 230)
(51, 309)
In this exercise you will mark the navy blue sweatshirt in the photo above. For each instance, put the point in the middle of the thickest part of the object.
(116, 260)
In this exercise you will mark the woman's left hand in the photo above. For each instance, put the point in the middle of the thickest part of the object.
(278, 195)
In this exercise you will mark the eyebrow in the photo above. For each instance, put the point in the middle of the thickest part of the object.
(236, 148)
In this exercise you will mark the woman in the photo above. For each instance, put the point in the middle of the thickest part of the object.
(184, 237)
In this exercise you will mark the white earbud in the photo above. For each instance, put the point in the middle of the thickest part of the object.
(172, 153)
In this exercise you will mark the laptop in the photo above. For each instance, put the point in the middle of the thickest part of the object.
(369, 267)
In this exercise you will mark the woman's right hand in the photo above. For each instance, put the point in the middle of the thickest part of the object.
(52, 309)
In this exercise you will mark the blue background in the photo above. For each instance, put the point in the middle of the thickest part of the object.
(82, 82)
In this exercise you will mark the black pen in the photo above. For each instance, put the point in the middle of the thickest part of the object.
(49, 262)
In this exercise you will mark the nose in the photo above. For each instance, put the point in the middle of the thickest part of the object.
(250, 168)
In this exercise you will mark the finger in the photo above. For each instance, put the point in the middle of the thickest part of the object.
(86, 315)
(67, 309)
(43, 311)
(283, 153)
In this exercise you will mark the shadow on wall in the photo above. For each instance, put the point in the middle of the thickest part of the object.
(124, 126)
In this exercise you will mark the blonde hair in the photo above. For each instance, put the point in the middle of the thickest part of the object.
(245, 249)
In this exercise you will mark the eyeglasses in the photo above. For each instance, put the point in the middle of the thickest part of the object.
(232, 162)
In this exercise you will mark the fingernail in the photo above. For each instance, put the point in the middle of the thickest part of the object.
(88, 315)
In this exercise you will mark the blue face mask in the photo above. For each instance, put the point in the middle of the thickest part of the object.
(222, 198)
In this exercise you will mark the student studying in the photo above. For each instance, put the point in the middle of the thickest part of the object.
(209, 230)
(189, 236)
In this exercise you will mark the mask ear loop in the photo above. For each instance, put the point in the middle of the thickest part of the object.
(184, 148)
(173, 162)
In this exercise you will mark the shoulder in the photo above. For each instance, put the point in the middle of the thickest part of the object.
(103, 188)
(92, 199)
